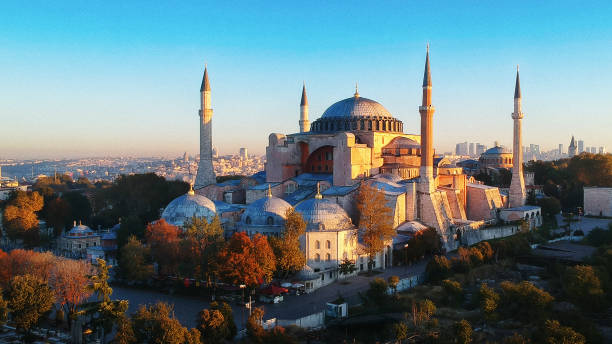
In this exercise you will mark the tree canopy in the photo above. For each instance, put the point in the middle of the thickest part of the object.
(375, 220)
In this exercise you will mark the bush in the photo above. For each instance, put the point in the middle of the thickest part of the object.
(516, 339)
(463, 331)
(454, 291)
(524, 301)
(554, 333)
(582, 285)
(486, 250)
(599, 237)
(377, 295)
(438, 268)
(511, 247)
(489, 301)
(476, 257)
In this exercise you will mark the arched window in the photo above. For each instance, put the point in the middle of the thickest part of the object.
(345, 255)
(317, 245)
(317, 257)
(270, 221)
(248, 220)
(328, 257)
(328, 244)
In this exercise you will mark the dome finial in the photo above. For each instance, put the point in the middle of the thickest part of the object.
(356, 89)
(318, 195)
(269, 191)
(191, 192)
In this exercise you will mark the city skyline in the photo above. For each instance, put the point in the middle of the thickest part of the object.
(107, 82)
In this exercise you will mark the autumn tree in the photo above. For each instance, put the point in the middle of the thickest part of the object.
(254, 327)
(125, 332)
(554, 333)
(211, 325)
(20, 262)
(489, 301)
(229, 326)
(243, 261)
(393, 281)
(524, 301)
(70, 281)
(463, 332)
(19, 218)
(289, 255)
(582, 285)
(133, 261)
(200, 246)
(375, 221)
(163, 239)
(28, 299)
(156, 324)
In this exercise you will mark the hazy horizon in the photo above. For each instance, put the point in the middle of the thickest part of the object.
(122, 79)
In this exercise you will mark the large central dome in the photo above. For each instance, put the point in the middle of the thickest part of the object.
(356, 114)
(356, 107)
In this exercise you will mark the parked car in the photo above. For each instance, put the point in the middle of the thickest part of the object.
(271, 298)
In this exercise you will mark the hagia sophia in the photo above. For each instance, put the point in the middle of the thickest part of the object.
(318, 172)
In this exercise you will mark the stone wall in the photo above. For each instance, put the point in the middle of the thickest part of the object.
(598, 201)
(482, 202)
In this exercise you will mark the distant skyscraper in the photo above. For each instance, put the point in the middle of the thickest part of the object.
(594, 150)
(602, 150)
(215, 153)
(461, 148)
(560, 148)
(580, 146)
(206, 173)
(472, 152)
(185, 157)
(480, 149)
(571, 150)
(244, 155)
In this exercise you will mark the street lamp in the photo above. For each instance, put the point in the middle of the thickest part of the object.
(242, 287)
(406, 254)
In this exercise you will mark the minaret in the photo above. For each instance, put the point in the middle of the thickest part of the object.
(517, 185)
(426, 180)
(304, 122)
(206, 174)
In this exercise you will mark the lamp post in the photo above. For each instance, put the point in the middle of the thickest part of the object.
(406, 254)
(242, 287)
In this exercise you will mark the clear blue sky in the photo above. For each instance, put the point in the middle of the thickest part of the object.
(91, 78)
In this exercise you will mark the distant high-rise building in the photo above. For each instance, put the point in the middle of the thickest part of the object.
(185, 157)
(602, 150)
(580, 146)
(560, 148)
(244, 155)
(471, 150)
(571, 150)
(215, 153)
(594, 150)
(480, 149)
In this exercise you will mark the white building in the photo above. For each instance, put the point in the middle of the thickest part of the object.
(598, 201)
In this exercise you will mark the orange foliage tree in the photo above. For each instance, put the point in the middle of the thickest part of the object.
(19, 217)
(21, 262)
(163, 239)
(71, 283)
(243, 261)
(375, 220)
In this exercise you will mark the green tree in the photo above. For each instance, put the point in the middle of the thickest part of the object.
(582, 285)
(347, 267)
(463, 332)
(453, 290)
(229, 326)
(80, 208)
(211, 325)
(393, 281)
(28, 299)
(133, 261)
(254, 327)
(289, 255)
(524, 301)
(375, 221)
(400, 331)
(110, 313)
(125, 332)
(156, 324)
(377, 293)
(550, 207)
(437, 268)
(554, 333)
(489, 301)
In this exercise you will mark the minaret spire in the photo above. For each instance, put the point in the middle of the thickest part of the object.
(427, 74)
(206, 174)
(304, 122)
(205, 84)
(518, 194)
(426, 181)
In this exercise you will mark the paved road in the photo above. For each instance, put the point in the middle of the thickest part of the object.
(585, 223)
(186, 308)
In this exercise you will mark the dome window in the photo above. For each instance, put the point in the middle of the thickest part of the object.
(270, 221)
(248, 220)
(317, 257)
(317, 245)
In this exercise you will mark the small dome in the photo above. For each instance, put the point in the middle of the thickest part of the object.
(187, 206)
(497, 150)
(79, 231)
(266, 211)
(356, 107)
(323, 214)
(389, 176)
